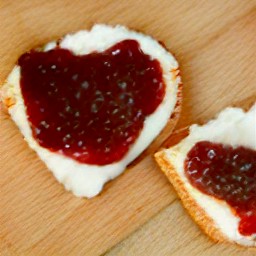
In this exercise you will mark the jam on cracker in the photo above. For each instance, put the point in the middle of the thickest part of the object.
(90, 107)
(226, 173)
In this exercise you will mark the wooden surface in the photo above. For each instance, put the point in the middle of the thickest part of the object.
(215, 44)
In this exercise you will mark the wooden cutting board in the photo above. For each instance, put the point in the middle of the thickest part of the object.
(215, 44)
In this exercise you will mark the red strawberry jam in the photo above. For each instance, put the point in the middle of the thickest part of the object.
(90, 107)
(228, 174)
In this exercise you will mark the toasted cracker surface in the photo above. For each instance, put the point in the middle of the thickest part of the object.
(199, 215)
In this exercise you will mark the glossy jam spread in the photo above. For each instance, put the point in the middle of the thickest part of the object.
(228, 174)
(90, 107)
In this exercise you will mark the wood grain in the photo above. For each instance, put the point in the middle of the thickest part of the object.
(163, 235)
(214, 41)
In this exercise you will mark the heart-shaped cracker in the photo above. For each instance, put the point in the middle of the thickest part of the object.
(92, 102)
